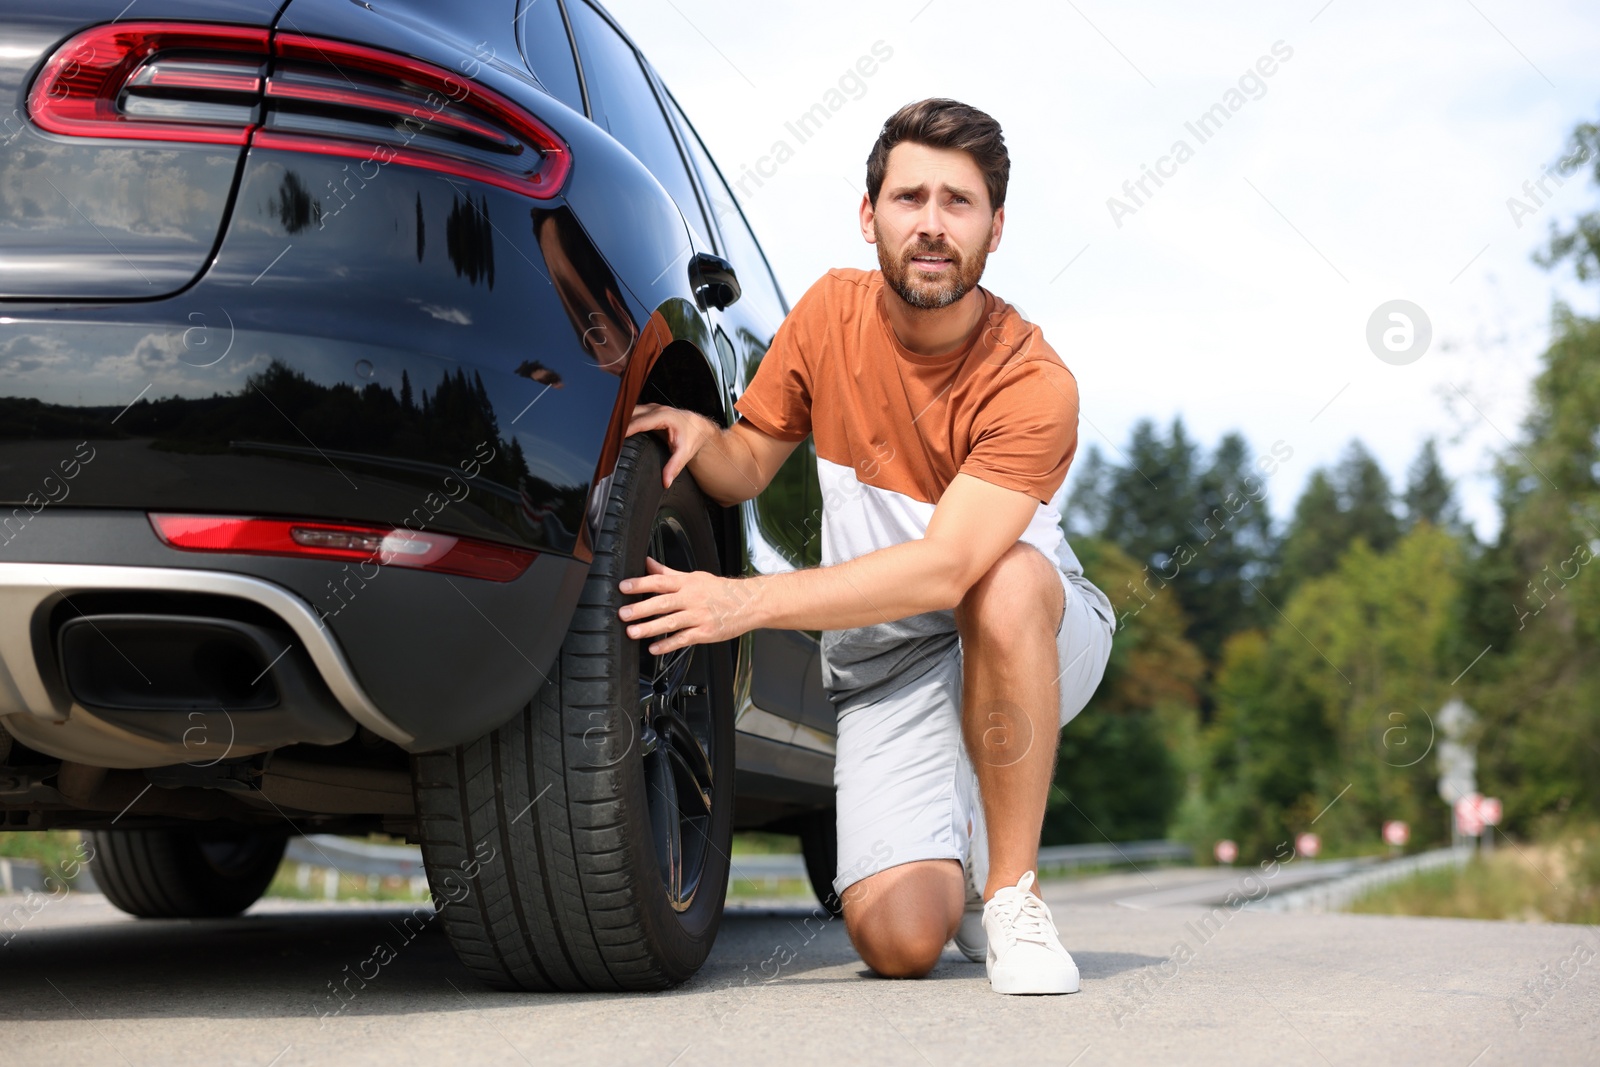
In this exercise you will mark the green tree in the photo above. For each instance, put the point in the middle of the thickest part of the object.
(1540, 695)
(1232, 544)
(1151, 501)
(1325, 719)
(1201, 526)
(1315, 536)
(1430, 493)
(1580, 244)
(1539, 691)
(1336, 507)
(1086, 510)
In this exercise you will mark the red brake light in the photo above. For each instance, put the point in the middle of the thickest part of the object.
(105, 82)
(201, 82)
(342, 99)
(444, 553)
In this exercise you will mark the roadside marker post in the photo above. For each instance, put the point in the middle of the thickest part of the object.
(1489, 811)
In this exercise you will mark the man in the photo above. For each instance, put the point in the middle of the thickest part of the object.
(952, 607)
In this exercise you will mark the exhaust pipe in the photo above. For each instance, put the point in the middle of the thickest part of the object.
(206, 683)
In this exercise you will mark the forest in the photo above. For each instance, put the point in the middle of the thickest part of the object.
(1263, 679)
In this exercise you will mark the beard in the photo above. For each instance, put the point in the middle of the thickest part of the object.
(930, 292)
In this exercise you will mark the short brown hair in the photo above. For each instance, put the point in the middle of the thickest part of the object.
(941, 123)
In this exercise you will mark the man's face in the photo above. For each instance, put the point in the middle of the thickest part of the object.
(932, 224)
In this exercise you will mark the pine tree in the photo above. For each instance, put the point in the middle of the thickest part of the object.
(1430, 493)
(1232, 540)
(1315, 538)
(1154, 498)
(1086, 509)
(1354, 500)
(1366, 499)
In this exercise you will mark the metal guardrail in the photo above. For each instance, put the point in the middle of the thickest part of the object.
(20, 876)
(1057, 857)
(356, 857)
(757, 867)
(1338, 893)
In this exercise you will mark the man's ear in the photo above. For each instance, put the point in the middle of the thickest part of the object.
(996, 226)
(866, 220)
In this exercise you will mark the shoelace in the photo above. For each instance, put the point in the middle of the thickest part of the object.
(1024, 915)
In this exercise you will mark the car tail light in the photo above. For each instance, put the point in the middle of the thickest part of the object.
(347, 100)
(154, 81)
(385, 546)
(218, 84)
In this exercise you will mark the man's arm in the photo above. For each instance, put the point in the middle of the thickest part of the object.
(972, 525)
(729, 465)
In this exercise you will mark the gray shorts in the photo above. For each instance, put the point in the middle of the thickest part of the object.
(904, 780)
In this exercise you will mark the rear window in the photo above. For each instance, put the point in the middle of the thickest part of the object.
(625, 104)
(549, 51)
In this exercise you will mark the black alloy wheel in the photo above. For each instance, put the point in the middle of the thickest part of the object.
(583, 845)
(676, 736)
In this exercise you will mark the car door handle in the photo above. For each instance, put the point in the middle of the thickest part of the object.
(714, 281)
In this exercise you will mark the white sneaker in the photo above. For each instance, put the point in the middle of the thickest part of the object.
(1025, 953)
(970, 937)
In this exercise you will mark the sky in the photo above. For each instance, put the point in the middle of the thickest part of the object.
(1374, 163)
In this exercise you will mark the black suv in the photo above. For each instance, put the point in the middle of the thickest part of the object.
(320, 326)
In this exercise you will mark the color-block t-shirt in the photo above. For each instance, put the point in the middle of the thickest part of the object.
(893, 428)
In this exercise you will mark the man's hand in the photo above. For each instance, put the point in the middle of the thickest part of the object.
(691, 607)
(729, 465)
(686, 431)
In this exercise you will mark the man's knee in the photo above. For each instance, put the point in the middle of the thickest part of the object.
(1021, 583)
(900, 919)
(898, 949)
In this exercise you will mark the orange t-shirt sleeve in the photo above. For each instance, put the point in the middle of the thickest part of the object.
(1027, 435)
(778, 399)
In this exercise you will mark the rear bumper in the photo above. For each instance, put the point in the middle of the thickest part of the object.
(424, 660)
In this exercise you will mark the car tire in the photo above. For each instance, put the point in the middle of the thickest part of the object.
(184, 874)
(575, 848)
(819, 844)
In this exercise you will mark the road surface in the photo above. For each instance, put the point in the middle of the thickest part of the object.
(1167, 979)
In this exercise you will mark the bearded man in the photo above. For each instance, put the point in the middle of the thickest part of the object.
(959, 632)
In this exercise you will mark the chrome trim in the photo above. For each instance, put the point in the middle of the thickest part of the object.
(25, 587)
(761, 723)
(815, 739)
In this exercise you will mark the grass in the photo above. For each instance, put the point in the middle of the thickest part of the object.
(755, 843)
(1554, 881)
(297, 881)
(51, 848)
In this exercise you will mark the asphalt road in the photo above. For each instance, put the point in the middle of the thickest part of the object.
(1164, 981)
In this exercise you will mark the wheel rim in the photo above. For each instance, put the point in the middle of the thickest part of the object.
(676, 739)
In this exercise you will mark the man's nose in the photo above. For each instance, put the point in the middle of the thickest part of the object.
(930, 220)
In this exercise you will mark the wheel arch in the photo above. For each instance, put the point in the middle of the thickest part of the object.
(669, 366)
